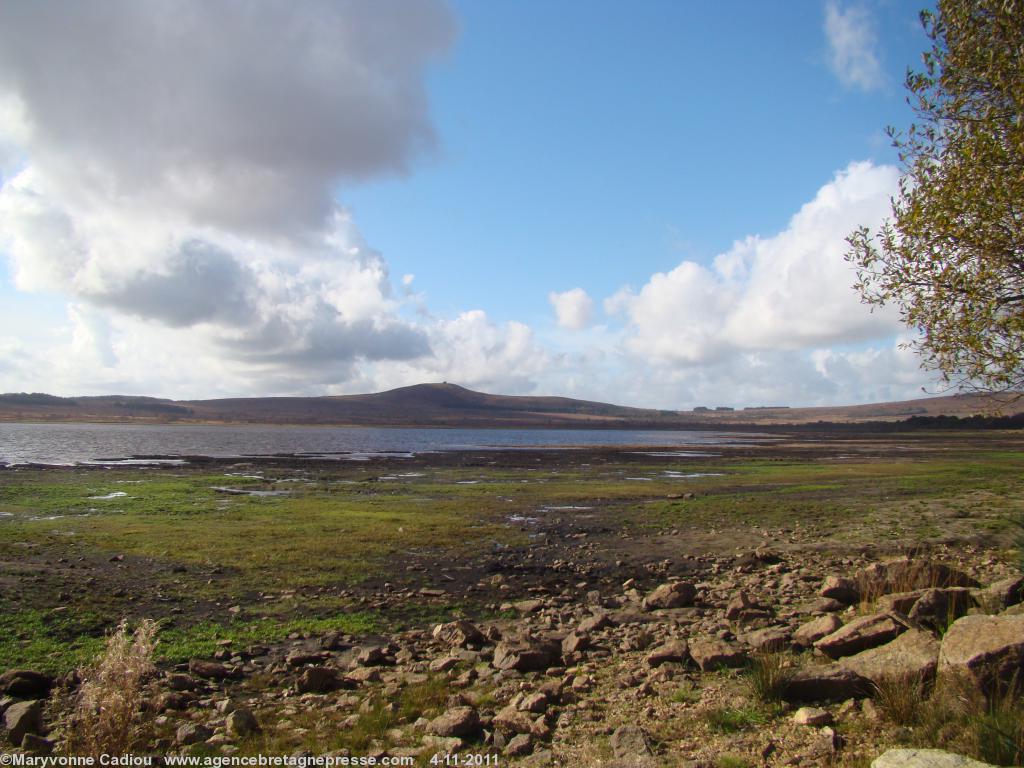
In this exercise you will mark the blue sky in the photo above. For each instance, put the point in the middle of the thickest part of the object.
(641, 203)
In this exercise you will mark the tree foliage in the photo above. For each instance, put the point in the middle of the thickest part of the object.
(951, 257)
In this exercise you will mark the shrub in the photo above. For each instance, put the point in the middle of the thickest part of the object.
(901, 698)
(106, 716)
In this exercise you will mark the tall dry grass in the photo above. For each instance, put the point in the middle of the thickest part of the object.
(107, 711)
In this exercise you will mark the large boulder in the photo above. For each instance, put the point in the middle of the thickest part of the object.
(1001, 594)
(925, 758)
(320, 680)
(912, 656)
(832, 682)
(25, 684)
(211, 670)
(22, 718)
(676, 594)
(862, 633)
(988, 648)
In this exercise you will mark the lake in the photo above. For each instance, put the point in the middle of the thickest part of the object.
(130, 443)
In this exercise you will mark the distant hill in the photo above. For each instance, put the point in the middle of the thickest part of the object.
(449, 405)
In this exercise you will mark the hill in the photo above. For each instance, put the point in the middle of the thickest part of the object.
(450, 405)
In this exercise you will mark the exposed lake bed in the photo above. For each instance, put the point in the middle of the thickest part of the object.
(279, 552)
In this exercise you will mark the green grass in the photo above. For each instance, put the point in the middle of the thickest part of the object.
(337, 528)
(735, 719)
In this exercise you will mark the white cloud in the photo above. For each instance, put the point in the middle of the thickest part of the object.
(173, 166)
(853, 46)
(573, 308)
(789, 291)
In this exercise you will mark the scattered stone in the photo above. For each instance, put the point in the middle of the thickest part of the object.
(743, 607)
(460, 722)
(905, 574)
(302, 658)
(861, 634)
(36, 744)
(832, 682)
(988, 648)
(21, 718)
(575, 643)
(211, 670)
(594, 623)
(913, 656)
(460, 634)
(677, 594)
(526, 656)
(672, 651)
(533, 702)
(814, 630)
(519, 745)
(241, 723)
(938, 608)
(443, 664)
(630, 742)
(192, 733)
(318, 680)
(711, 653)
(25, 684)
(841, 589)
(373, 656)
(812, 716)
(925, 758)
(768, 640)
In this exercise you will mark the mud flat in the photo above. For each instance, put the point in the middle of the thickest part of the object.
(311, 590)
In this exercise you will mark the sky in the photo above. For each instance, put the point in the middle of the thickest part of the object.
(639, 203)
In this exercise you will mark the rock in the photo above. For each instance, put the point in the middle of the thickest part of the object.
(575, 643)
(536, 703)
(511, 720)
(816, 629)
(901, 602)
(711, 653)
(1002, 594)
(241, 723)
(925, 758)
(988, 648)
(446, 745)
(594, 623)
(443, 664)
(905, 574)
(335, 641)
(677, 594)
(175, 700)
(768, 640)
(460, 634)
(25, 684)
(742, 607)
(373, 656)
(812, 716)
(840, 588)
(913, 656)
(630, 742)
(861, 634)
(938, 608)
(36, 744)
(528, 606)
(192, 733)
(318, 680)
(21, 718)
(182, 682)
(302, 658)
(832, 682)
(672, 651)
(461, 722)
(527, 656)
(211, 670)
(519, 745)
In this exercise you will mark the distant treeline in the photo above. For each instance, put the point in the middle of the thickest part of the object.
(34, 398)
(920, 422)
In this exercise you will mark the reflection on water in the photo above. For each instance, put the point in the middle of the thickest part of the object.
(147, 443)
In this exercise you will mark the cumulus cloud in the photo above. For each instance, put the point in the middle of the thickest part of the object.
(790, 291)
(573, 308)
(853, 47)
(176, 163)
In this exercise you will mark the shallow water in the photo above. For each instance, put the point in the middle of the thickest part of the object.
(140, 443)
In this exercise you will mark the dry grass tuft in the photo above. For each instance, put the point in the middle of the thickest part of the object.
(901, 699)
(768, 676)
(106, 716)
